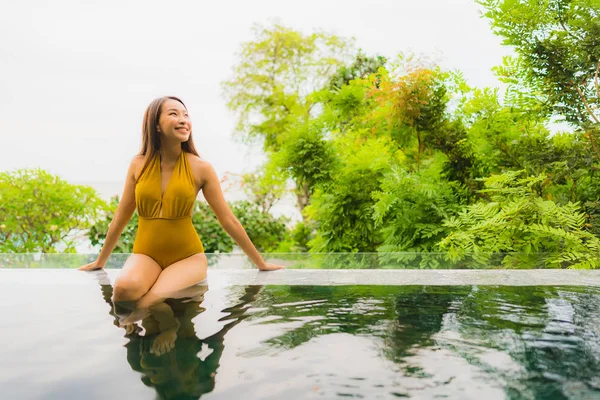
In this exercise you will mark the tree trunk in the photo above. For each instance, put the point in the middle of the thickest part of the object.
(302, 197)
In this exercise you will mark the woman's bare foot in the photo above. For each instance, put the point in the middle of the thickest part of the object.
(165, 341)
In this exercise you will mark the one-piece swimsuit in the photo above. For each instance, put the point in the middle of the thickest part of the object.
(165, 230)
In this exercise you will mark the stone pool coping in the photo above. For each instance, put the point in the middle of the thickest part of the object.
(327, 277)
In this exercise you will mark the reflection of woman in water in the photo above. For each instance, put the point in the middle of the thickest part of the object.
(169, 354)
(163, 182)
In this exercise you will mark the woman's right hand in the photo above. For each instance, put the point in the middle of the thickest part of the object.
(91, 266)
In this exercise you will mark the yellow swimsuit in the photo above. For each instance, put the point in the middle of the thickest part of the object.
(165, 231)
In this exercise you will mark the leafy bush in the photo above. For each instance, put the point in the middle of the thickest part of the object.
(265, 231)
(532, 231)
(411, 207)
(40, 212)
(343, 209)
(97, 232)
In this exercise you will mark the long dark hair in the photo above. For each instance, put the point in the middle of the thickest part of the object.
(151, 136)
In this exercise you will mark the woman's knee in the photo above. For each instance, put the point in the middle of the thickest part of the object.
(129, 288)
(137, 277)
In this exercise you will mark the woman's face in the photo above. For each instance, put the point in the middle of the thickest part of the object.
(174, 121)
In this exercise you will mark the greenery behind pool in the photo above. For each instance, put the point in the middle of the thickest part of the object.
(390, 155)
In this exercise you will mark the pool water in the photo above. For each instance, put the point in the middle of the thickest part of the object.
(297, 342)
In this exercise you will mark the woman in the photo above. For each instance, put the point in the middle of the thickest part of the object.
(163, 182)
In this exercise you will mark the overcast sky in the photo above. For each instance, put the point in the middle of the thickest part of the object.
(77, 75)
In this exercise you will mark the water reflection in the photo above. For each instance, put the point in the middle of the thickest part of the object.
(509, 342)
(549, 337)
(165, 347)
(376, 342)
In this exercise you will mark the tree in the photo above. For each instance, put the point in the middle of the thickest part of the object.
(392, 121)
(558, 47)
(411, 206)
(361, 68)
(307, 157)
(40, 212)
(275, 75)
(271, 90)
(343, 208)
(510, 134)
(264, 187)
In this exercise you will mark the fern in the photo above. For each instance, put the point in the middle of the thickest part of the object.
(521, 225)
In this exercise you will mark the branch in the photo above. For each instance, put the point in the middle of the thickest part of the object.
(594, 148)
(562, 23)
(589, 134)
(586, 104)
(596, 81)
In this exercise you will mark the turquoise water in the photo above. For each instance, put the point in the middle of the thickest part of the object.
(297, 342)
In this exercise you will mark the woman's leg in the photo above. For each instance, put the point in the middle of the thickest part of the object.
(137, 277)
(177, 276)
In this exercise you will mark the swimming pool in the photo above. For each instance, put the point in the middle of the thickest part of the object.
(300, 335)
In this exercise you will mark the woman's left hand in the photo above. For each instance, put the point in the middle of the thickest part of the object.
(270, 267)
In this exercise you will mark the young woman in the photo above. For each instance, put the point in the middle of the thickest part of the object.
(163, 181)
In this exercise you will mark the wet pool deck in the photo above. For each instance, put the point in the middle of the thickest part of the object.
(323, 277)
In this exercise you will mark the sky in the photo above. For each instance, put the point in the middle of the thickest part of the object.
(77, 75)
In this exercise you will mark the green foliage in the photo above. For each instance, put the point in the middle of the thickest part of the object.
(271, 94)
(514, 137)
(264, 187)
(411, 207)
(295, 241)
(518, 222)
(558, 47)
(505, 136)
(301, 235)
(389, 129)
(306, 157)
(361, 68)
(97, 232)
(382, 152)
(40, 212)
(343, 209)
(343, 110)
(274, 76)
(407, 107)
(573, 172)
(214, 238)
(265, 231)
(451, 139)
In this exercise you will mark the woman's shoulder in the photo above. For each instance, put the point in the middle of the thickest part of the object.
(137, 159)
(136, 165)
(200, 169)
(197, 162)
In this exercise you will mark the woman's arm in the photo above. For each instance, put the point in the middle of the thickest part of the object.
(122, 216)
(211, 188)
